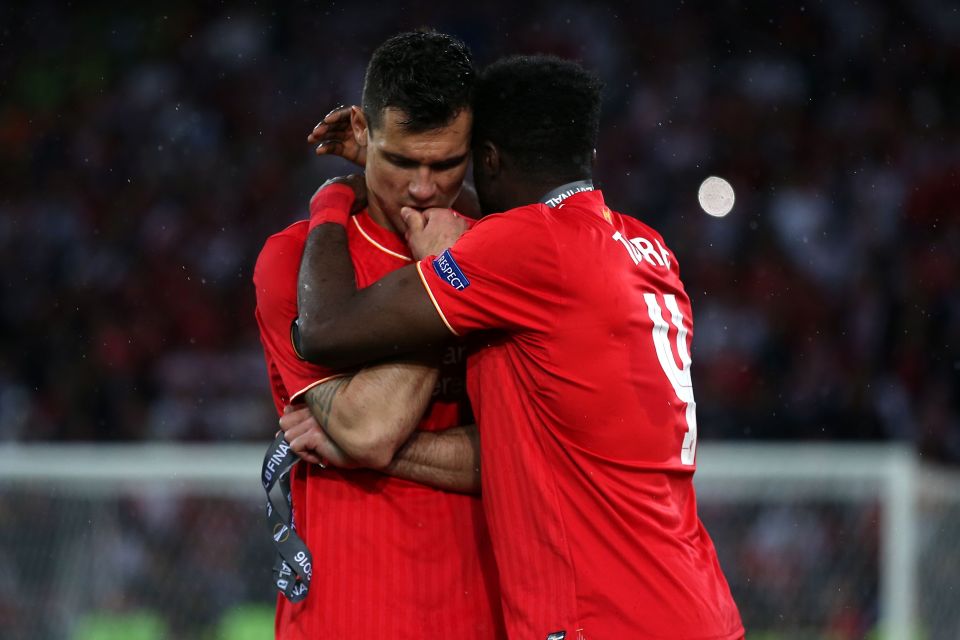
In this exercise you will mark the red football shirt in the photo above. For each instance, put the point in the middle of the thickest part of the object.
(581, 387)
(391, 558)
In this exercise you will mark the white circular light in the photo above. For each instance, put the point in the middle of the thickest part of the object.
(716, 196)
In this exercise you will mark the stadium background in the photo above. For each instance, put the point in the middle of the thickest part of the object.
(146, 153)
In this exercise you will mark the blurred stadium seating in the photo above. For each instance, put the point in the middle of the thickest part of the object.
(147, 154)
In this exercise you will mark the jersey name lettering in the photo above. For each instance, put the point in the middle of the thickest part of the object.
(642, 249)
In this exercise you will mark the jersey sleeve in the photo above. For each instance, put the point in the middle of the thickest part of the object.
(275, 279)
(504, 273)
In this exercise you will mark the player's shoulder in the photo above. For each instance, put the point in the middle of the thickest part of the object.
(529, 214)
(295, 232)
(281, 242)
(282, 251)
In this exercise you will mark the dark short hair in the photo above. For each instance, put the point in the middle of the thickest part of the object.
(543, 111)
(427, 75)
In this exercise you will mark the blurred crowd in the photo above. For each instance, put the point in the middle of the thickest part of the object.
(147, 153)
(177, 561)
(185, 559)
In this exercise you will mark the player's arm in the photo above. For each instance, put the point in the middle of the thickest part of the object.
(448, 459)
(372, 413)
(345, 326)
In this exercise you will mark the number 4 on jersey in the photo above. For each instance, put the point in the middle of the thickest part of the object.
(679, 377)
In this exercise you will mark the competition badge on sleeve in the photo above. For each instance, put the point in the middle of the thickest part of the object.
(449, 271)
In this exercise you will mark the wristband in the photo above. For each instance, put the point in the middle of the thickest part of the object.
(331, 204)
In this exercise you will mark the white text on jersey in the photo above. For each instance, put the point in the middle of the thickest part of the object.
(642, 249)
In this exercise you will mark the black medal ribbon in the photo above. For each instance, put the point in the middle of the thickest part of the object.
(293, 567)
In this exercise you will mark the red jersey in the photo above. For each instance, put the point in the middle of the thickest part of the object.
(392, 559)
(581, 387)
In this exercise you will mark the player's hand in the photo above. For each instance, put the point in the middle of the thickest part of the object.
(334, 136)
(309, 441)
(431, 232)
(357, 182)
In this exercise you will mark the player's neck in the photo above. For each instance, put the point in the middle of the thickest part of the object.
(380, 218)
(529, 192)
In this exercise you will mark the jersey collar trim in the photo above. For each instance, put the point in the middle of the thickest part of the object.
(564, 191)
(380, 237)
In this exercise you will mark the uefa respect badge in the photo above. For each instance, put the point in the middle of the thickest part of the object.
(449, 271)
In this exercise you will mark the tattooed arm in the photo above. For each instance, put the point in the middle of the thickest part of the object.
(448, 459)
(371, 414)
(370, 420)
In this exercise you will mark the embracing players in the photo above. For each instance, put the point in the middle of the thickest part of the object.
(579, 333)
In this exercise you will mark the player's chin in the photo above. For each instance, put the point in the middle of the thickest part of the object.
(397, 220)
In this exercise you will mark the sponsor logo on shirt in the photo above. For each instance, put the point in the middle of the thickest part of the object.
(448, 270)
(451, 387)
(557, 635)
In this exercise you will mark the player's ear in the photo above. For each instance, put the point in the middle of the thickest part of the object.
(488, 158)
(359, 124)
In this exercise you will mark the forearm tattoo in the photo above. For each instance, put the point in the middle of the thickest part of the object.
(320, 399)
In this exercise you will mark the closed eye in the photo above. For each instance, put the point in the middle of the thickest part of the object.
(443, 165)
(403, 163)
(409, 163)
